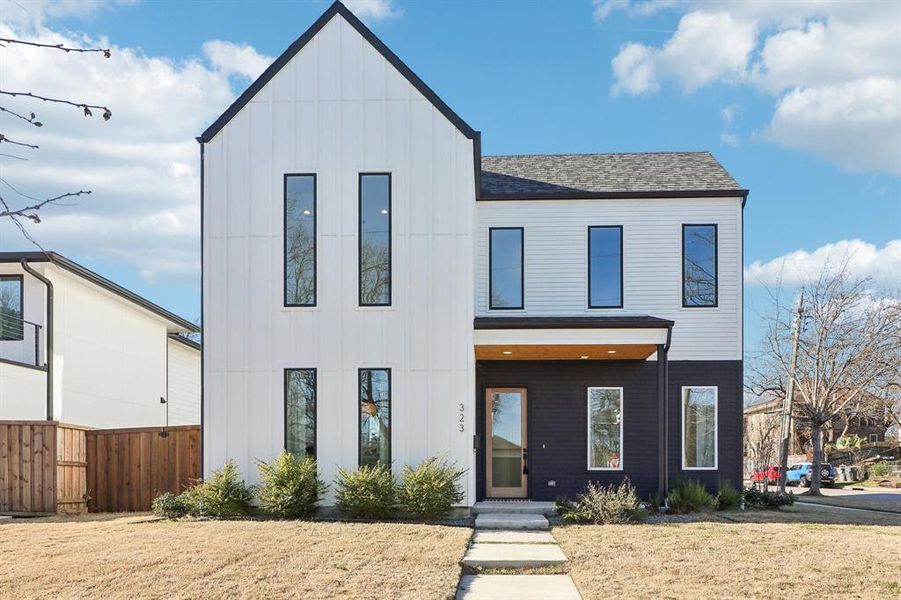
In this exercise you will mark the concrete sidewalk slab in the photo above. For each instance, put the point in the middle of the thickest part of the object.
(498, 556)
(517, 587)
(511, 521)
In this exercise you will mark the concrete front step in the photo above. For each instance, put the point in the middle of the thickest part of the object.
(513, 556)
(501, 536)
(511, 521)
(517, 587)
(511, 507)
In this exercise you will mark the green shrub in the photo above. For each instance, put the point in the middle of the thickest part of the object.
(690, 496)
(728, 498)
(430, 490)
(367, 493)
(290, 486)
(755, 498)
(222, 495)
(654, 503)
(603, 505)
(880, 470)
(170, 506)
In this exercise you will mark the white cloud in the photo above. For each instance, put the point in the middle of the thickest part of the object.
(376, 10)
(642, 8)
(32, 13)
(883, 265)
(236, 59)
(729, 139)
(729, 112)
(634, 69)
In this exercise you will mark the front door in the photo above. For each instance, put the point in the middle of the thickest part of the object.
(507, 451)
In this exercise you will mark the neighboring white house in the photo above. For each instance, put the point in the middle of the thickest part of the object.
(109, 357)
(375, 290)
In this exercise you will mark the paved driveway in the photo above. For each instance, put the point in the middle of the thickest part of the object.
(876, 498)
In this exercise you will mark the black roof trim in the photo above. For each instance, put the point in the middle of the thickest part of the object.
(610, 322)
(336, 9)
(618, 195)
(74, 267)
(177, 337)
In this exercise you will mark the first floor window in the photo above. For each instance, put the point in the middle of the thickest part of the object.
(605, 428)
(375, 417)
(11, 326)
(300, 412)
(699, 436)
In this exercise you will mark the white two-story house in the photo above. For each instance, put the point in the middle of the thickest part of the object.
(377, 291)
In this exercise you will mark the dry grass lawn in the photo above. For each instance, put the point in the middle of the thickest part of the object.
(803, 552)
(137, 557)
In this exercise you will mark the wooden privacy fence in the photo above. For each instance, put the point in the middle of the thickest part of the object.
(42, 467)
(128, 468)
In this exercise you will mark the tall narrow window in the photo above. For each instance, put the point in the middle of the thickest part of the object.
(699, 265)
(300, 412)
(375, 239)
(11, 325)
(505, 249)
(699, 435)
(300, 240)
(605, 267)
(605, 428)
(375, 416)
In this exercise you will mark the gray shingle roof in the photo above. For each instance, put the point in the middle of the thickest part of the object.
(572, 175)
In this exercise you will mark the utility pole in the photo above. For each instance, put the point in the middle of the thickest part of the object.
(789, 395)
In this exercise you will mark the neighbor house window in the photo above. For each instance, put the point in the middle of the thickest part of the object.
(505, 267)
(300, 240)
(873, 438)
(605, 428)
(375, 417)
(300, 412)
(605, 267)
(375, 239)
(699, 435)
(699, 265)
(11, 325)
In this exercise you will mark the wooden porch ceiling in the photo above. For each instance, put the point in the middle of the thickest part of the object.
(565, 351)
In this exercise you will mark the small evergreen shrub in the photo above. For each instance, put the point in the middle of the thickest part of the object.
(654, 503)
(170, 506)
(755, 498)
(222, 495)
(880, 470)
(728, 498)
(367, 493)
(690, 496)
(612, 504)
(290, 486)
(431, 489)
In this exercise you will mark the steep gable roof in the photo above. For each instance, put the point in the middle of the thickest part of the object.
(336, 9)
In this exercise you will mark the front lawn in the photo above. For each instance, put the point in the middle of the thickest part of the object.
(802, 552)
(138, 556)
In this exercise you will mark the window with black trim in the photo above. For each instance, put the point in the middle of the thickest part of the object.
(375, 417)
(11, 324)
(300, 240)
(605, 266)
(300, 412)
(375, 239)
(505, 267)
(699, 265)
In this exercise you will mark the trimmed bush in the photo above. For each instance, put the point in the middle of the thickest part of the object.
(600, 505)
(430, 490)
(222, 495)
(755, 498)
(690, 496)
(367, 493)
(880, 470)
(728, 498)
(290, 486)
(170, 506)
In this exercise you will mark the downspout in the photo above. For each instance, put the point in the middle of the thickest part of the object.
(48, 345)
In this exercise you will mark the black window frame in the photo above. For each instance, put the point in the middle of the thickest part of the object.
(390, 415)
(288, 370)
(716, 266)
(522, 268)
(621, 267)
(360, 177)
(21, 279)
(285, 302)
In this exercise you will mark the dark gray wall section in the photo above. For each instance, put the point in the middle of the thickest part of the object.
(558, 420)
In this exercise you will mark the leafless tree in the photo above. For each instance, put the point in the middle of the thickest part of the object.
(762, 439)
(849, 346)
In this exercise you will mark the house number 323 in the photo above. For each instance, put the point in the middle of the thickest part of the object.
(461, 417)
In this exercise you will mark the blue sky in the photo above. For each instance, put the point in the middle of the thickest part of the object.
(541, 77)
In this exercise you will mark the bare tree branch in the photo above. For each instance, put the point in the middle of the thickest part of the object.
(105, 51)
(5, 139)
(107, 113)
(29, 119)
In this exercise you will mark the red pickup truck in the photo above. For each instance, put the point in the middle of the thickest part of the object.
(769, 474)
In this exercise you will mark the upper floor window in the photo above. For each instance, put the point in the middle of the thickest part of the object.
(300, 412)
(300, 240)
(605, 267)
(375, 239)
(11, 326)
(699, 265)
(699, 427)
(375, 417)
(505, 267)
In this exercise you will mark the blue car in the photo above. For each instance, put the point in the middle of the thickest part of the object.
(801, 474)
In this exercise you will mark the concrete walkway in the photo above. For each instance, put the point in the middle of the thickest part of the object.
(514, 536)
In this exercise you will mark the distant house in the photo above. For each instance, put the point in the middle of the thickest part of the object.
(79, 349)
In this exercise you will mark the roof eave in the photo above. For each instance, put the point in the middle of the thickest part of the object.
(625, 194)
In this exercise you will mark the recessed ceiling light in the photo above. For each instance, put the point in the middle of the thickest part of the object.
(583, 357)
(384, 211)
(508, 352)
(611, 351)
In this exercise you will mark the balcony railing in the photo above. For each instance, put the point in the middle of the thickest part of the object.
(20, 341)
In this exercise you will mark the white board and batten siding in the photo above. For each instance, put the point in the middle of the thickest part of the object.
(556, 269)
(183, 384)
(338, 108)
